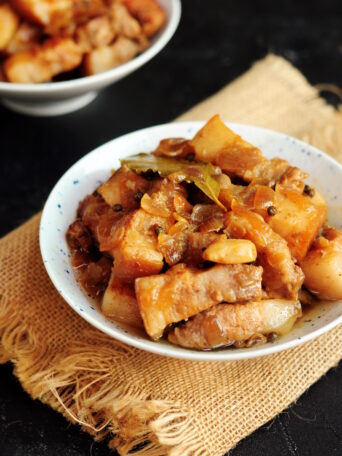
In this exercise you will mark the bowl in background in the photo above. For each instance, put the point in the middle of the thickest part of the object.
(56, 98)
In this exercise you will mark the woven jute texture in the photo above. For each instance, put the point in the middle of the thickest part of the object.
(183, 408)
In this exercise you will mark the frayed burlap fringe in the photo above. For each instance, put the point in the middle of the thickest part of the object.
(90, 395)
(137, 400)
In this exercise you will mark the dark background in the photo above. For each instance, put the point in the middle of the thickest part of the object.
(216, 41)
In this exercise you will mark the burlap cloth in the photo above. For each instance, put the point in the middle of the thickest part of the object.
(184, 408)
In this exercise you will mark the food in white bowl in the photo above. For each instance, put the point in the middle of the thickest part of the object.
(207, 254)
(42, 39)
(51, 53)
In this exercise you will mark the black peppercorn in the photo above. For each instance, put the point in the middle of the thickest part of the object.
(309, 190)
(272, 337)
(117, 207)
(157, 229)
(138, 195)
(272, 210)
(190, 156)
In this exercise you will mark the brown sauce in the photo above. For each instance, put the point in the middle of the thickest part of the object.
(92, 273)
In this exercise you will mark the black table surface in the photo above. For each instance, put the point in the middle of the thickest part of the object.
(216, 41)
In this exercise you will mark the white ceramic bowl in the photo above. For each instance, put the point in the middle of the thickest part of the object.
(94, 168)
(56, 98)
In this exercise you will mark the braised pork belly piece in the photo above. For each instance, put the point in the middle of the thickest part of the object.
(218, 144)
(55, 56)
(281, 276)
(134, 246)
(183, 292)
(288, 209)
(121, 191)
(240, 324)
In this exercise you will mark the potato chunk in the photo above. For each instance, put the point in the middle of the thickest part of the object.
(323, 265)
(227, 324)
(298, 219)
(230, 251)
(119, 303)
(9, 22)
(122, 187)
(183, 292)
(25, 39)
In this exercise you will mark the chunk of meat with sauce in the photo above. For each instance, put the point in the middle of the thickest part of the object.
(79, 237)
(92, 268)
(218, 144)
(9, 22)
(177, 244)
(254, 197)
(122, 21)
(208, 217)
(25, 39)
(59, 15)
(281, 277)
(95, 33)
(174, 147)
(270, 172)
(183, 244)
(241, 324)
(133, 243)
(297, 218)
(134, 239)
(148, 12)
(119, 303)
(131, 237)
(92, 272)
(174, 246)
(183, 292)
(165, 198)
(84, 10)
(98, 217)
(42, 11)
(123, 187)
(55, 56)
(108, 57)
(197, 243)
